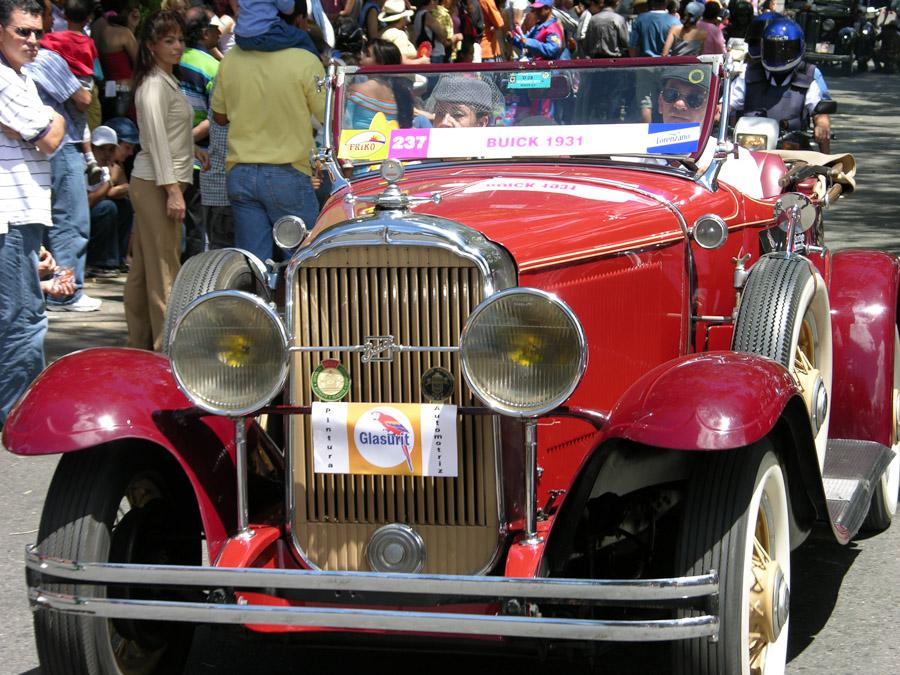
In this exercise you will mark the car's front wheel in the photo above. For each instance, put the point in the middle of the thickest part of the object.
(105, 505)
(736, 522)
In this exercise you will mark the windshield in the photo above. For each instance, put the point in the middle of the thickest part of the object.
(525, 112)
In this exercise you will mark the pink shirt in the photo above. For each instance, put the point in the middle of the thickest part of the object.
(715, 41)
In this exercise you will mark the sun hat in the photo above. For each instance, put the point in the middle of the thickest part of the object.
(104, 136)
(394, 10)
(125, 129)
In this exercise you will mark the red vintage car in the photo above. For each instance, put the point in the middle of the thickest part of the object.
(554, 365)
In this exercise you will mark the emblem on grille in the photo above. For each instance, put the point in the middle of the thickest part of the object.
(437, 384)
(330, 381)
(378, 349)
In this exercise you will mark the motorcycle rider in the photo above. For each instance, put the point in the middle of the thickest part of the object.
(781, 85)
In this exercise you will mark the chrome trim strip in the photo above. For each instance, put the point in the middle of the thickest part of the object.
(404, 228)
(380, 620)
(363, 348)
(559, 590)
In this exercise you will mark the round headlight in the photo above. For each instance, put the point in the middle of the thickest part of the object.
(710, 231)
(523, 352)
(229, 353)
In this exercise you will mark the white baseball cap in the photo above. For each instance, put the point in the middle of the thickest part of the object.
(104, 136)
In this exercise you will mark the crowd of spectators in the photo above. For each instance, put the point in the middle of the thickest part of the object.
(136, 137)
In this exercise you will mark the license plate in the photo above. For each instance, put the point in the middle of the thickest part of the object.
(824, 48)
(395, 439)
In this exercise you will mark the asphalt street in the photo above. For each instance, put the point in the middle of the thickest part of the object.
(845, 600)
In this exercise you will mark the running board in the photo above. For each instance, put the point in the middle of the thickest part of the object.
(852, 470)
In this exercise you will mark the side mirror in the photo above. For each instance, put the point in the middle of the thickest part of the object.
(825, 107)
(794, 213)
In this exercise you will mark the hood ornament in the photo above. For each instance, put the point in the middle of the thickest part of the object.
(393, 198)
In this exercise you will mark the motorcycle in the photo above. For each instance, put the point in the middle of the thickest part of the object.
(756, 132)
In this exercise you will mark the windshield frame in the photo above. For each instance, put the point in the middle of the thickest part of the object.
(343, 72)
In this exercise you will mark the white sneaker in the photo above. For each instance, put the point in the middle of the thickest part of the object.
(84, 304)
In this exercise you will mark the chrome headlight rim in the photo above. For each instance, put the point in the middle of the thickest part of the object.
(277, 384)
(498, 406)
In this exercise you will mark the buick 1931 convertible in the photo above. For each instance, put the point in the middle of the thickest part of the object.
(555, 365)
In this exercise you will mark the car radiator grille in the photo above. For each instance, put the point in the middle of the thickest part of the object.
(421, 296)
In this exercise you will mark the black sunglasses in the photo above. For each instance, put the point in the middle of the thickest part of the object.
(693, 100)
(26, 33)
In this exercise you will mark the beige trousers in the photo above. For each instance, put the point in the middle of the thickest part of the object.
(155, 261)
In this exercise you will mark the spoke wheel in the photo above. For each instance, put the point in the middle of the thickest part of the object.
(736, 522)
(223, 269)
(884, 499)
(104, 505)
(784, 316)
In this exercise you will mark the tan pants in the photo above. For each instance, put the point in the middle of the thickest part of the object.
(155, 261)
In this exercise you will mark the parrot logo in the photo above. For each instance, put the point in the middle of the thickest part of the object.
(395, 428)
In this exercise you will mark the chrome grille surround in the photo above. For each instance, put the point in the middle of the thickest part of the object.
(494, 268)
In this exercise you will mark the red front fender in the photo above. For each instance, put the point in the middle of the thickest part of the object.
(710, 401)
(97, 396)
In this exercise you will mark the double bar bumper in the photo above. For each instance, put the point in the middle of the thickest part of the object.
(348, 587)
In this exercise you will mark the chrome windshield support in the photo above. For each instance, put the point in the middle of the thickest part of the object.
(240, 454)
(531, 535)
(325, 154)
(723, 146)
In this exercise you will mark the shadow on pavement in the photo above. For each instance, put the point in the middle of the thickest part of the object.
(818, 570)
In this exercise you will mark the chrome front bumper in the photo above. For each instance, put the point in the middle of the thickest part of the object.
(386, 589)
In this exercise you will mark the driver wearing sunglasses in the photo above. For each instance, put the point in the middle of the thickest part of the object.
(683, 101)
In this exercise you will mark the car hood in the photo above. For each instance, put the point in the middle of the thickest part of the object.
(544, 215)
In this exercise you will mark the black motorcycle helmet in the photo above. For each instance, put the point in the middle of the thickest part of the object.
(783, 45)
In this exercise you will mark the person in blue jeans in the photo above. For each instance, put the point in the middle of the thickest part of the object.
(267, 164)
(260, 28)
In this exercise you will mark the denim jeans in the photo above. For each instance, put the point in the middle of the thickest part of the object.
(23, 322)
(111, 221)
(68, 238)
(260, 194)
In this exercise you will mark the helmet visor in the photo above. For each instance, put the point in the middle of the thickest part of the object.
(781, 53)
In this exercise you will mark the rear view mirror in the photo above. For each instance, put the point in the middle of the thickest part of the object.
(825, 107)
(795, 209)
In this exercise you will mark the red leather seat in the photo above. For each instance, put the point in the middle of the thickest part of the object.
(771, 169)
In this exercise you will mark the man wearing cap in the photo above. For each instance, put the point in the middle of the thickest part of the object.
(111, 212)
(546, 39)
(269, 99)
(462, 102)
(683, 99)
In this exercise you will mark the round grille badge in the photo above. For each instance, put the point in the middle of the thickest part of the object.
(437, 384)
(330, 380)
(384, 437)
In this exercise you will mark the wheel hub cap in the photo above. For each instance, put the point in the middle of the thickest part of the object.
(773, 598)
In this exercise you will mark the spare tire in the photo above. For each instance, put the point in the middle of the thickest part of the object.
(223, 269)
